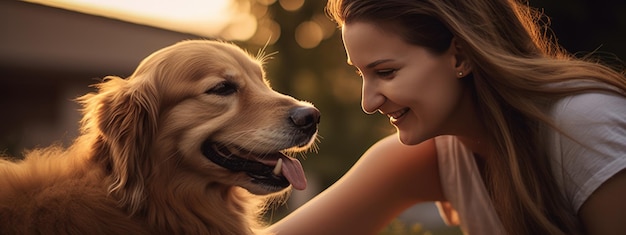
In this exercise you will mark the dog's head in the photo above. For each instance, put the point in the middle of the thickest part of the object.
(203, 109)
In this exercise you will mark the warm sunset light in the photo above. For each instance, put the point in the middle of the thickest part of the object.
(208, 18)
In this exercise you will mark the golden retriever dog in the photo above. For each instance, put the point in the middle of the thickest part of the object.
(193, 142)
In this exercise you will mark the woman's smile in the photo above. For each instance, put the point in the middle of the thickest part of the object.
(417, 89)
(395, 117)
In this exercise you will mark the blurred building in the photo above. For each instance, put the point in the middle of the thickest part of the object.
(49, 56)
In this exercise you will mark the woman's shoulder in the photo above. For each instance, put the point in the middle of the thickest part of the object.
(591, 122)
(590, 108)
(590, 144)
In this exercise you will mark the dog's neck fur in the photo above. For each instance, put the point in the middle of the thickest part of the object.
(199, 209)
(185, 208)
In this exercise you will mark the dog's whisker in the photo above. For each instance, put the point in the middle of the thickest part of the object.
(261, 54)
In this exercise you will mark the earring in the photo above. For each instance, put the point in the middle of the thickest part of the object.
(460, 74)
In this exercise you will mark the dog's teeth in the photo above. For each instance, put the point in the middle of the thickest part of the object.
(278, 167)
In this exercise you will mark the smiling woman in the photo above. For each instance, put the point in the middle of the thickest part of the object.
(205, 18)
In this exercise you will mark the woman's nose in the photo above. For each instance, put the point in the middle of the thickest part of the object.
(371, 98)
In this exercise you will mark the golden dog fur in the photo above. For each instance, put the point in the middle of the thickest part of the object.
(137, 167)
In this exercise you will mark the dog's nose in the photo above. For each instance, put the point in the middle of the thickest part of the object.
(305, 118)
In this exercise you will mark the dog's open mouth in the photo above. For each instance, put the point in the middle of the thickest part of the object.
(274, 169)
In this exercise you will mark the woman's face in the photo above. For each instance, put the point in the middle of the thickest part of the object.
(420, 91)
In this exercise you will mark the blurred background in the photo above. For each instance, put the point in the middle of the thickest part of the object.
(51, 51)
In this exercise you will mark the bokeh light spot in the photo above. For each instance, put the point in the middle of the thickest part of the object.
(266, 2)
(242, 28)
(309, 34)
(268, 33)
(291, 5)
(328, 27)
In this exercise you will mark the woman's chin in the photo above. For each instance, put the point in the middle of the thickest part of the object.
(408, 138)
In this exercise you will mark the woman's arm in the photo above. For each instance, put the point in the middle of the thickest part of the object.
(387, 179)
(604, 212)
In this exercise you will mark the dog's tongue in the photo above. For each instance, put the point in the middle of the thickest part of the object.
(292, 170)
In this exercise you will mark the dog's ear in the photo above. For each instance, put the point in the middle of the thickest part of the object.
(126, 117)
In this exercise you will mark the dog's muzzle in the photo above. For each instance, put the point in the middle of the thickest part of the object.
(289, 172)
(273, 169)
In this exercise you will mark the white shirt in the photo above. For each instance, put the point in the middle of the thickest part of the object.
(596, 120)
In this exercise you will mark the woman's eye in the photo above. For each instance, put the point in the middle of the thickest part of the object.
(223, 89)
(384, 73)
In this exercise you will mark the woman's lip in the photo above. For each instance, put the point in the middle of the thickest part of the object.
(394, 116)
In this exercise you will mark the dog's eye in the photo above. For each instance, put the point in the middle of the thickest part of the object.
(223, 89)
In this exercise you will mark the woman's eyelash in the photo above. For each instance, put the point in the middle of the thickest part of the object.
(380, 72)
(385, 72)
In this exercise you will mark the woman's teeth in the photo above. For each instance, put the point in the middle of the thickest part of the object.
(398, 114)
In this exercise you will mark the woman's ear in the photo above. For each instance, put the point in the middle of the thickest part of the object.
(462, 65)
